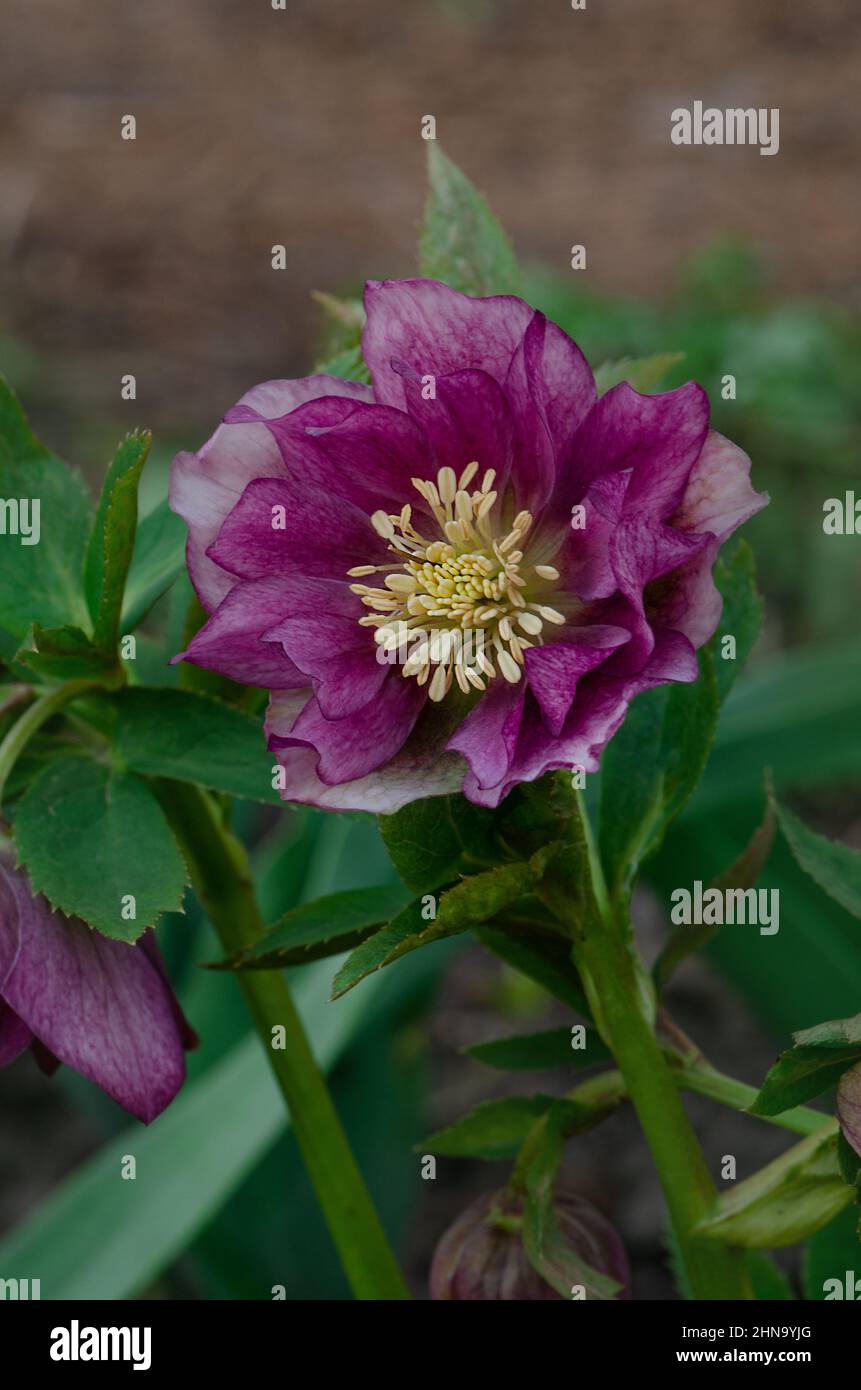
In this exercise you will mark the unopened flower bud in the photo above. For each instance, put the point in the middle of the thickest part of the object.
(482, 1257)
(849, 1106)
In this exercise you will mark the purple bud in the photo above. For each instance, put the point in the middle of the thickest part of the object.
(849, 1106)
(481, 1257)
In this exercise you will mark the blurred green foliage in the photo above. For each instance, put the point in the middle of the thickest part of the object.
(797, 411)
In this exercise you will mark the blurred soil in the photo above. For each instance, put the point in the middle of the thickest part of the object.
(301, 127)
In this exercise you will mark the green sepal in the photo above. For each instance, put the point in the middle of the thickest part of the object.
(645, 374)
(786, 1201)
(462, 243)
(65, 653)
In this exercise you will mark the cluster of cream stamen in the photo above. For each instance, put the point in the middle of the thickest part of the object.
(465, 596)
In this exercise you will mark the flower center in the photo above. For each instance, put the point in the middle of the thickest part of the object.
(464, 605)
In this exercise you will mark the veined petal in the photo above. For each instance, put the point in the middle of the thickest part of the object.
(205, 486)
(417, 770)
(101, 1006)
(436, 330)
(348, 749)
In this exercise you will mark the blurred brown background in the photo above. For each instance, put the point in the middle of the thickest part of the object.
(257, 126)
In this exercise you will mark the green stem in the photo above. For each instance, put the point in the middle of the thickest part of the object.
(222, 880)
(605, 956)
(604, 1091)
(32, 720)
(705, 1081)
(715, 1271)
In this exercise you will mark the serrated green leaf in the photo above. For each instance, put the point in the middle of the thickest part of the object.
(476, 828)
(834, 866)
(814, 1064)
(406, 931)
(536, 813)
(63, 653)
(540, 1051)
(192, 738)
(493, 1130)
(336, 923)
(423, 843)
(39, 583)
(786, 1201)
(467, 904)
(461, 241)
(498, 1128)
(799, 1075)
(158, 559)
(112, 539)
(645, 374)
(90, 837)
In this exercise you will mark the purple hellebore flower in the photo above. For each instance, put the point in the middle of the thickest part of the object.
(103, 1007)
(481, 1257)
(328, 518)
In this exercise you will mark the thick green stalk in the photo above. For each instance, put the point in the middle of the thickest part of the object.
(604, 955)
(715, 1271)
(222, 880)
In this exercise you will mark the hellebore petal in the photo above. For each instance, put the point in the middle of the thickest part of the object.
(362, 452)
(554, 670)
(103, 1007)
(551, 390)
(418, 769)
(547, 554)
(348, 749)
(204, 487)
(233, 641)
(466, 417)
(433, 330)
